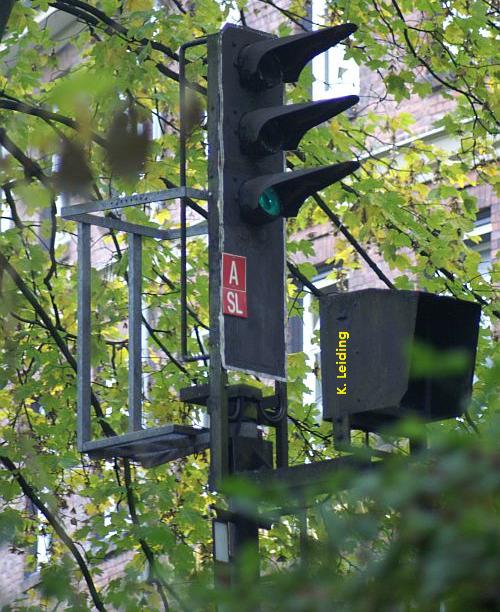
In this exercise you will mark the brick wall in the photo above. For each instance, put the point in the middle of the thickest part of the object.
(374, 97)
(12, 577)
(263, 16)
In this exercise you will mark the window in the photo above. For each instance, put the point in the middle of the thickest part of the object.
(41, 549)
(5, 221)
(311, 346)
(334, 76)
(482, 228)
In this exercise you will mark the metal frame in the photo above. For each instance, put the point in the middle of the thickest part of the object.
(218, 378)
(158, 445)
(81, 213)
(218, 397)
(152, 446)
(134, 443)
(85, 215)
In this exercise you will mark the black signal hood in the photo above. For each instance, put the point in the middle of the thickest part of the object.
(291, 188)
(267, 63)
(280, 128)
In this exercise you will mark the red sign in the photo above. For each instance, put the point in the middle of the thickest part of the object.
(234, 285)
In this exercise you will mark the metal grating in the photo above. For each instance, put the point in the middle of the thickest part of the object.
(153, 446)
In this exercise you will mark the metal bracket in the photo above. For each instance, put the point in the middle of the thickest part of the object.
(151, 447)
(75, 211)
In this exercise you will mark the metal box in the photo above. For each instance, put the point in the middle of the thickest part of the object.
(366, 357)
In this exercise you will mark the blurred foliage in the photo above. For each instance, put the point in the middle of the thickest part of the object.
(76, 112)
(419, 532)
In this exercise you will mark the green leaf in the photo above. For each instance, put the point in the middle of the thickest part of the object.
(35, 197)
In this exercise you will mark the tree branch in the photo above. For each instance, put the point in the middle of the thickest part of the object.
(32, 169)
(93, 17)
(46, 115)
(352, 241)
(350, 238)
(115, 26)
(303, 279)
(54, 333)
(28, 490)
(471, 97)
(107, 429)
(148, 553)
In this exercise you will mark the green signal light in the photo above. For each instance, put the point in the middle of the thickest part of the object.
(269, 201)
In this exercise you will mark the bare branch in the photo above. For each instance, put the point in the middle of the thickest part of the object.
(57, 526)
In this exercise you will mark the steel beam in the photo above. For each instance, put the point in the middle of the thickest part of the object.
(134, 200)
(135, 335)
(217, 400)
(83, 339)
(144, 230)
(282, 426)
(299, 480)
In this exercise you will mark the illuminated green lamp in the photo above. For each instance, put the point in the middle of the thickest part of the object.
(269, 201)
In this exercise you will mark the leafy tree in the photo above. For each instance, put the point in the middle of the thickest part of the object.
(410, 204)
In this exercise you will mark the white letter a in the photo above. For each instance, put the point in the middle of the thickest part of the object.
(233, 274)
